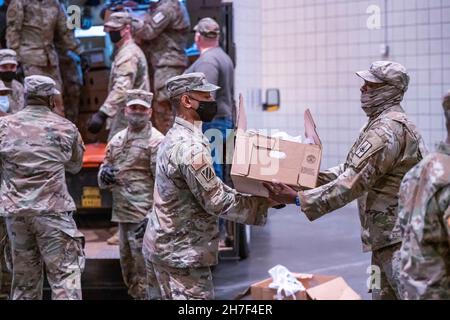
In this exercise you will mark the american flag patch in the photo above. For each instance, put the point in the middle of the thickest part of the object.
(207, 173)
(363, 148)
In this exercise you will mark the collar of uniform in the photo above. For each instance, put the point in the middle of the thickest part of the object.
(37, 107)
(125, 45)
(145, 133)
(443, 148)
(188, 125)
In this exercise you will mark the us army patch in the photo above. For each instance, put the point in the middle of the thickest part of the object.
(158, 17)
(207, 173)
(362, 150)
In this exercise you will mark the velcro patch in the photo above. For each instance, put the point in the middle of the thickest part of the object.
(363, 149)
(208, 173)
(158, 17)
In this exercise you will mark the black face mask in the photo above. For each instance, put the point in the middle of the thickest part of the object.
(115, 36)
(207, 110)
(7, 76)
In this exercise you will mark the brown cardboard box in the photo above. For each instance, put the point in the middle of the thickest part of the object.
(91, 100)
(318, 287)
(258, 158)
(96, 79)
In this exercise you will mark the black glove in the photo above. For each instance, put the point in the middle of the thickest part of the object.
(108, 175)
(96, 122)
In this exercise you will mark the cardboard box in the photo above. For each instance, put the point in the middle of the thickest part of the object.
(96, 58)
(258, 158)
(318, 287)
(95, 80)
(91, 100)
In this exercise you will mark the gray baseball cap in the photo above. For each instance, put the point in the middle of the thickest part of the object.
(389, 72)
(188, 82)
(208, 27)
(141, 97)
(40, 86)
(8, 56)
(118, 20)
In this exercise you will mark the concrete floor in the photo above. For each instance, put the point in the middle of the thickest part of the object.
(328, 246)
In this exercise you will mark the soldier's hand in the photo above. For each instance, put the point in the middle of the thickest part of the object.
(108, 175)
(96, 122)
(280, 193)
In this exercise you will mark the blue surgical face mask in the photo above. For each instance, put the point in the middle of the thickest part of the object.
(4, 104)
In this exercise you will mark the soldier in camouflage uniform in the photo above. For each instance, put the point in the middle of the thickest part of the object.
(129, 71)
(32, 28)
(5, 253)
(424, 222)
(128, 171)
(13, 102)
(163, 38)
(36, 148)
(388, 146)
(181, 242)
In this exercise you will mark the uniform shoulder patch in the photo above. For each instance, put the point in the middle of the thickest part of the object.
(369, 146)
(158, 17)
(207, 173)
(363, 149)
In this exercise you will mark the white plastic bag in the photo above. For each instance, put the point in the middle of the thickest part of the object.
(284, 280)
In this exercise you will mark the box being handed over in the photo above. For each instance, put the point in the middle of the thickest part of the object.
(258, 158)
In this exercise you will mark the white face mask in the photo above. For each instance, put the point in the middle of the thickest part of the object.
(4, 104)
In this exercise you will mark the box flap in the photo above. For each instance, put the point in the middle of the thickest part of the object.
(241, 115)
(336, 289)
(310, 128)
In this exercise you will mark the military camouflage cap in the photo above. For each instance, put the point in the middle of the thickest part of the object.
(446, 101)
(40, 86)
(141, 97)
(388, 72)
(118, 20)
(195, 81)
(208, 27)
(8, 56)
(4, 90)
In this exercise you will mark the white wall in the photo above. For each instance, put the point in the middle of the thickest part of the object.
(310, 49)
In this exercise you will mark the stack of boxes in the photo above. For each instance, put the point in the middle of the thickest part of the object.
(93, 94)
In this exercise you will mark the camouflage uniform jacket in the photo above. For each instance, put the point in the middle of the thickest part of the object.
(188, 200)
(16, 98)
(424, 221)
(388, 146)
(32, 29)
(128, 71)
(165, 34)
(134, 155)
(36, 148)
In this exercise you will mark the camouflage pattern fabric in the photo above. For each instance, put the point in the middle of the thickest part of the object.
(384, 259)
(188, 200)
(388, 146)
(132, 260)
(16, 97)
(128, 71)
(424, 222)
(36, 148)
(164, 34)
(134, 155)
(32, 27)
(184, 283)
(49, 241)
(5, 262)
(153, 290)
(71, 86)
